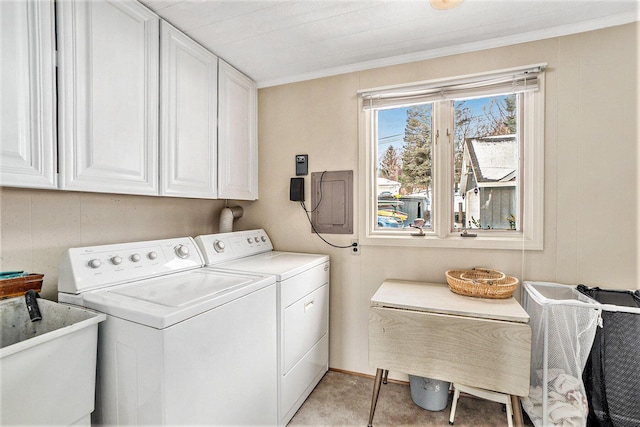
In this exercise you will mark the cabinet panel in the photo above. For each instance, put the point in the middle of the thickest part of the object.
(298, 384)
(27, 119)
(304, 323)
(304, 283)
(237, 135)
(189, 110)
(108, 88)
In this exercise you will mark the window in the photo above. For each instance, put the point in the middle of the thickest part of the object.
(455, 162)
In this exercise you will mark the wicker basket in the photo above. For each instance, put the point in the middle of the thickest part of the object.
(481, 283)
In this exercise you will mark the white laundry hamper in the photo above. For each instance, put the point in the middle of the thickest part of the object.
(563, 326)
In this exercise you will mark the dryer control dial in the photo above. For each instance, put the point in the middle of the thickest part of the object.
(218, 245)
(152, 255)
(182, 251)
(94, 263)
(135, 257)
(116, 260)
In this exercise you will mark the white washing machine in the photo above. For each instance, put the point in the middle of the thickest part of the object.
(303, 307)
(182, 344)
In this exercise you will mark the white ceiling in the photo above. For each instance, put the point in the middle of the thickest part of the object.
(282, 41)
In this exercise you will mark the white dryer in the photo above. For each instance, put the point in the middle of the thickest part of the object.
(182, 344)
(302, 301)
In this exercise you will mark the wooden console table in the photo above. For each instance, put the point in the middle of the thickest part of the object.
(424, 329)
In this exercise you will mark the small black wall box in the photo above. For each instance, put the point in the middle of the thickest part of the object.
(296, 190)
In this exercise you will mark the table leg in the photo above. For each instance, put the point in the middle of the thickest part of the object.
(517, 411)
(376, 392)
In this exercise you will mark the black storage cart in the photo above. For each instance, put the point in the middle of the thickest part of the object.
(612, 373)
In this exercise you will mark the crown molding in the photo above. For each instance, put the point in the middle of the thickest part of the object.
(565, 30)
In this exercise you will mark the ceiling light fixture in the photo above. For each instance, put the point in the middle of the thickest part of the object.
(444, 4)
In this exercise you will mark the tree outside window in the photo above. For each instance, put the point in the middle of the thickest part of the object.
(485, 164)
(456, 157)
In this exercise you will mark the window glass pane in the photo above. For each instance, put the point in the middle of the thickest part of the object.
(486, 163)
(404, 172)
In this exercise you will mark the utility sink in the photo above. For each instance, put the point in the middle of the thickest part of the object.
(47, 367)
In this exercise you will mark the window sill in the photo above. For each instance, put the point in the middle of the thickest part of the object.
(492, 240)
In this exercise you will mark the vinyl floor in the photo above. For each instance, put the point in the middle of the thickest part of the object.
(342, 399)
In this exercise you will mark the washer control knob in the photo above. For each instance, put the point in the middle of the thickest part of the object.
(135, 257)
(182, 251)
(257, 240)
(152, 255)
(249, 240)
(95, 263)
(218, 245)
(116, 260)
(264, 239)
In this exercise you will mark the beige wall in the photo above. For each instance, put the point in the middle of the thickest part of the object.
(591, 184)
(591, 165)
(37, 226)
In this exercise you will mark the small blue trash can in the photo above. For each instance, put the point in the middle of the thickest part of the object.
(428, 393)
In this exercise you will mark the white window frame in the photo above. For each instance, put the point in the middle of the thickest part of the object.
(530, 236)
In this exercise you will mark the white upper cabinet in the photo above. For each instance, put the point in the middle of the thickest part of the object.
(140, 108)
(108, 96)
(189, 113)
(27, 94)
(237, 135)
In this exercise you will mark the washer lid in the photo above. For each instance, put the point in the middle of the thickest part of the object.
(283, 264)
(172, 293)
(165, 301)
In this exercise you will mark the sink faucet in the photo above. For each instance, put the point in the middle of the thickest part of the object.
(32, 305)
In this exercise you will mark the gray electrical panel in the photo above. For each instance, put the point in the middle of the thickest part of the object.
(332, 202)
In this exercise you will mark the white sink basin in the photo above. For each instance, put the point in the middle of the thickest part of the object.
(47, 367)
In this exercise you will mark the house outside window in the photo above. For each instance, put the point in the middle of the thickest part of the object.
(455, 162)
(488, 183)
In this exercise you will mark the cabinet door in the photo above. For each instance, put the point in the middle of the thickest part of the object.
(237, 135)
(189, 114)
(27, 91)
(108, 96)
